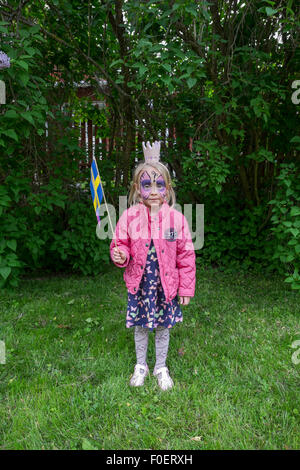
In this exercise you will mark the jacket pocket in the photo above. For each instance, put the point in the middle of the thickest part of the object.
(174, 284)
(129, 271)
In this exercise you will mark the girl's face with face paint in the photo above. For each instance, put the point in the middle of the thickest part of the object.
(152, 187)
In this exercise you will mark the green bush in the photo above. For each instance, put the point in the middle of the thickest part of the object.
(232, 239)
(286, 223)
(46, 221)
(53, 230)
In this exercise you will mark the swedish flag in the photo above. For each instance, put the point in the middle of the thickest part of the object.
(96, 188)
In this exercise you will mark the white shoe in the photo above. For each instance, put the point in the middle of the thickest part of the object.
(138, 377)
(163, 377)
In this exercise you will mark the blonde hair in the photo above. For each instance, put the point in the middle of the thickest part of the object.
(134, 197)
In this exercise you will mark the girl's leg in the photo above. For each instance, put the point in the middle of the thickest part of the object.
(162, 337)
(141, 344)
(141, 369)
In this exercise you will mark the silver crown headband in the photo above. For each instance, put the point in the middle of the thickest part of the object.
(152, 153)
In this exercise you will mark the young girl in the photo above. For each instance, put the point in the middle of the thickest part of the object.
(154, 245)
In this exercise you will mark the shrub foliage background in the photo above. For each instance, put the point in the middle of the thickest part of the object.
(221, 73)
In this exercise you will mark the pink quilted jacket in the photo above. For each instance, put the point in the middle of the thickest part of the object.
(172, 240)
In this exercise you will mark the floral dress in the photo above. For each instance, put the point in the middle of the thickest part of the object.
(148, 307)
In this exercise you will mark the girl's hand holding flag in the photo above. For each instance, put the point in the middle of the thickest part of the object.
(119, 256)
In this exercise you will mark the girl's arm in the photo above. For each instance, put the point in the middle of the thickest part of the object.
(185, 261)
(122, 239)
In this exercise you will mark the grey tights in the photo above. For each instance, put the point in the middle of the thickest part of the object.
(162, 336)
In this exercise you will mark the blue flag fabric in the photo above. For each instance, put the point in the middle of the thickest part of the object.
(96, 189)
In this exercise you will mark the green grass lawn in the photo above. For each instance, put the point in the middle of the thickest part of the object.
(69, 357)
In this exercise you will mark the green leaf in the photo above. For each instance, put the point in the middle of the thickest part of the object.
(167, 67)
(191, 82)
(142, 69)
(28, 117)
(295, 211)
(191, 10)
(23, 64)
(31, 50)
(206, 14)
(15, 263)
(171, 87)
(12, 244)
(270, 11)
(11, 133)
(24, 77)
(296, 285)
(5, 272)
(60, 204)
(11, 114)
(185, 75)
(115, 62)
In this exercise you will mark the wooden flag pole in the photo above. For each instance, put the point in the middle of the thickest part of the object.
(112, 230)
